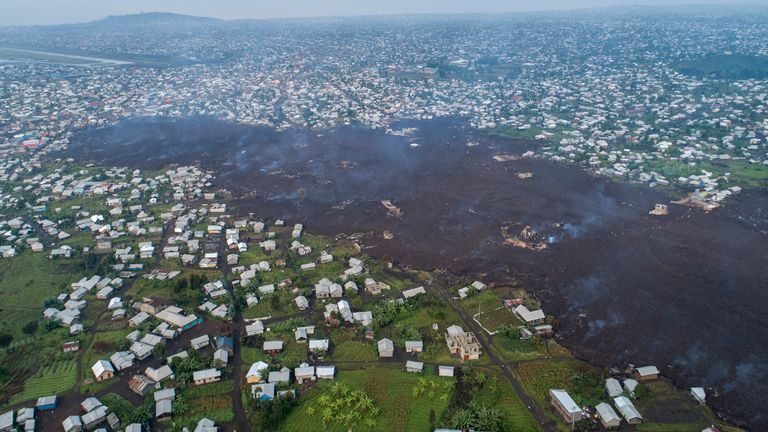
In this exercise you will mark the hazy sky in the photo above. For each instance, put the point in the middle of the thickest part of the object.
(22, 12)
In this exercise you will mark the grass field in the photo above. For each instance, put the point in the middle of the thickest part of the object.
(355, 351)
(54, 379)
(391, 391)
(25, 282)
(516, 414)
(495, 318)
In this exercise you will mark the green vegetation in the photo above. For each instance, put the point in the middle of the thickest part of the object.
(583, 383)
(355, 351)
(125, 410)
(50, 380)
(391, 392)
(494, 319)
(26, 282)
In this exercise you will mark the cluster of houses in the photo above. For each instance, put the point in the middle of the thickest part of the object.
(621, 393)
(74, 302)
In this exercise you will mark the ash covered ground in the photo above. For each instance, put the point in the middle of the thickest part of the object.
(686, 292)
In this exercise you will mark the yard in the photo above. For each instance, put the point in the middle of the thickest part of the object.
(494, 319)
(213, 401)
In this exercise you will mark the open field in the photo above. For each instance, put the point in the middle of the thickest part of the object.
(49, 57)
(25, 282)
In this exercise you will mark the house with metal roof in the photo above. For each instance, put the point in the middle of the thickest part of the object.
(568, 409)
(628, 410)
(608, 417)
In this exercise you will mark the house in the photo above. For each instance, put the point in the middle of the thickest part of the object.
(630, 385)
(103, 370)
(255, 328)
(6, 422)
(95, 417)
(226, 344)
(528, 316)
(113, 421)
(465, 344)
(122, 359)
(273, 347)
(302, 303)
(319, 345)
(221, 357)
(140, 384)
(386, 348)
(200, 342)
(163, 409)
(607, 416)
(165, 394)
(90, 404)
(627, 410)
(263, 392)
(325, 372)
(304, 372)
(414, 366)
(646, 373)
(256, 372)
(414, 346)
(159, 374)
(283, 376)
(565, 406)
(46, 403)
(613, 387)
(206, 376)
(141, 350)
(133, 427)
(137, 319)
(699, 394)
(72, 424)
(71, 346)
(413, 292)
(445, 371)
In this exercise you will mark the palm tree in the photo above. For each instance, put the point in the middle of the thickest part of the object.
(311, 411)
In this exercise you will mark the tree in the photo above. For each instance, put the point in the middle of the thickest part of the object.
(5, 339)
(30, 328)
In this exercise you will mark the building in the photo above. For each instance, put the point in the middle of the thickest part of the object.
(256, 372)
(325, 372)
(95, 417)
(699, 395)
(445, 371)
(72, 424)
(103, 370)
(414, 346)
(46, 403)
(386, 348)
(613, 387)
(6, 422)
(465, 344)
(206, 376)
(647, 373)
(140, 384)
(414, 366)
(565, 406)
(608, 417)
(528, 316)
(273, 347)
(627, 410)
